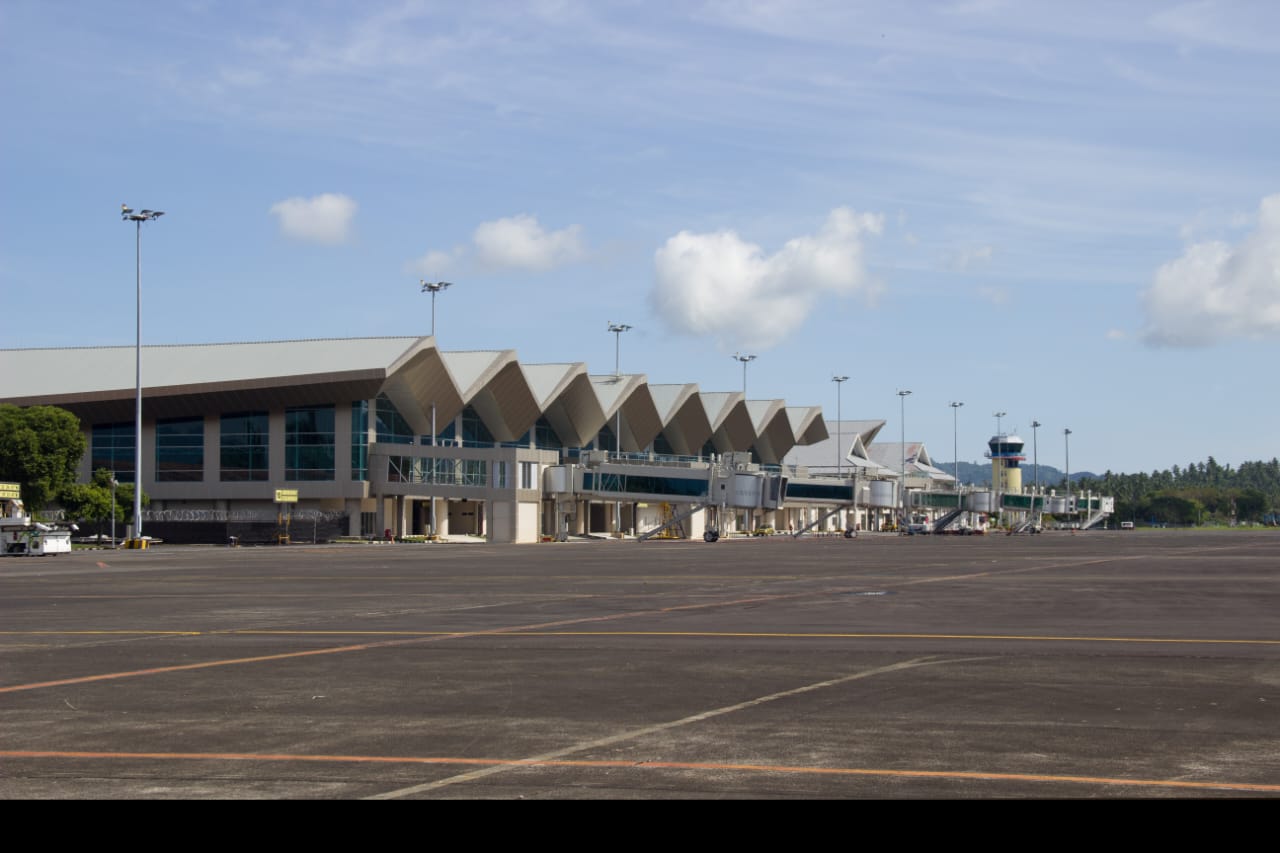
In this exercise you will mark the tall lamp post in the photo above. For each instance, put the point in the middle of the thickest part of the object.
(114, 483)
(617, 329)
(839, 380)
(955, 439)
(902, 485)
(128, 215)
(1035, 451)
(434, 287)
(744, 359)
(1066, 439)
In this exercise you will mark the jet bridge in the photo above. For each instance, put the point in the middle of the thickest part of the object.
(719, 485)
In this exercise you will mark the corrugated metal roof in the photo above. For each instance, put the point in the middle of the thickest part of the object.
(89, 370)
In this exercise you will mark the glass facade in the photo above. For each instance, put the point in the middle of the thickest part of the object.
(444, 436)
(446, 472)
(820, 491)
(474, 432)
(540, 436)
(392, 427)
(360, 440)
(645, 484)
(545, 437)
(243, 447)
(112, 448)
(605, 440)
(180, 450)
(309, 443)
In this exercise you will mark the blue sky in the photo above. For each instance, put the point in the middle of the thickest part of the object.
(1068, 212)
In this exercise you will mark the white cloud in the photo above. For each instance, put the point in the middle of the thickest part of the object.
(1216, 291)
(519, 242)
(1117, 335)
(718, 284)
(324, 218)
(436, 262)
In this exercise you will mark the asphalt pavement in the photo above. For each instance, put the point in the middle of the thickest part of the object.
(1118, 664)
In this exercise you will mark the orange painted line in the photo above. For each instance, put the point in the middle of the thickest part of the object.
(968, 775)
(127, 633)
(355, 648)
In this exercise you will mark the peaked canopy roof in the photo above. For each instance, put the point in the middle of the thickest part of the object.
(192, 380)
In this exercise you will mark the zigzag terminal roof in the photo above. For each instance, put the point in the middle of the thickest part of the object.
(189, 380)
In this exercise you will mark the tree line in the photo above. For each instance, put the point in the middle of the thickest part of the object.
(1201, 493)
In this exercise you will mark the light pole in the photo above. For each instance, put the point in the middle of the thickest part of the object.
(617, 329)
(1035, 451)
(434, 287)
(839, 380)
(114, 483)
(902, 405)
(744, 359)
(955, 439)
(1066, 439)
(128, 215)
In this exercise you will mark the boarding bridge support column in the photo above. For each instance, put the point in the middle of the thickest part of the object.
(819, 520)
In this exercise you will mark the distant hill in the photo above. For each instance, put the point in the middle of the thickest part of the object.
(979, 473)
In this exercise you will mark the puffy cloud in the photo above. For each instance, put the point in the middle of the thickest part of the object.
(1216, 291)
(436, 262)
(719, 284)
(324, 218)
(519, 242)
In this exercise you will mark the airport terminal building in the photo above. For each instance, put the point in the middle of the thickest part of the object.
(392, 436)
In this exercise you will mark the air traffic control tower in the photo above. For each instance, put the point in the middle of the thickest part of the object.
(1006, 455)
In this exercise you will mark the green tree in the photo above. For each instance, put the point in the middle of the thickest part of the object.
(91, 502)
(1173, 508)
(40, 449)
(1251, 505)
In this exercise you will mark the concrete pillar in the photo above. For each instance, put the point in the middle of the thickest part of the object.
(353, 516)
(275, 448)
(342, 442)
(212, 448)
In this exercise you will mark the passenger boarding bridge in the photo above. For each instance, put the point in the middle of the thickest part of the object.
(707, 493)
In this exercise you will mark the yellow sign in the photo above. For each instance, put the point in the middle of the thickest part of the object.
(286, 496)
(10, 491)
